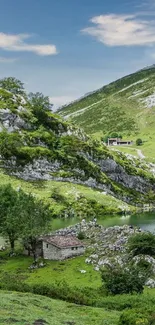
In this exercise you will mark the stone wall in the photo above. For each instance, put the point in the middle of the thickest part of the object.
(52, 252)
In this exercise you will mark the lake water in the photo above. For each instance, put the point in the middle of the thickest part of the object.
(145, 221)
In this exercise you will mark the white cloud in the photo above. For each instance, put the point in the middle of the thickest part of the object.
(59, 101)
(10, 42)
(122, 30)
(7, 60)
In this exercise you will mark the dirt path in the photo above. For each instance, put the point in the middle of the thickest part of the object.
(139, 151)
(83, 109)
(140, 154)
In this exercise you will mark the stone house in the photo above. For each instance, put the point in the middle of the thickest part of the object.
(119, 142)
(61, 247)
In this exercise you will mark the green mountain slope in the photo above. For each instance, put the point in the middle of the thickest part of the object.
(38, 145)
(126, 106)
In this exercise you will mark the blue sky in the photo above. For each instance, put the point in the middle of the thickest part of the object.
(66, 48)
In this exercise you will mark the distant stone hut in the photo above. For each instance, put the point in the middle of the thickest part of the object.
(119, 142)
(61, 247)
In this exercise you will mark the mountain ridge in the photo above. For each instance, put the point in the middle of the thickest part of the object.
(99, 89)
(125, 106)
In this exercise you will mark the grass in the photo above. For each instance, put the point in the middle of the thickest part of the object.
(55, 271)
(147, 149)
(44, 189)
(122, 109)
(26, 309)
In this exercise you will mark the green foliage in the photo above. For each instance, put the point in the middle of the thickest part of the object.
(13, 85)
(22, 216)
(122, 280)
(142, 243)
(139, 142)
(11, 211)
(142, 316)
(136, 317)
(57, 196)
(9, 144)
(39, 101)
(81, 235)
(37, 217)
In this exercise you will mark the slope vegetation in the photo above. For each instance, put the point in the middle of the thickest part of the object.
(37, 145)
(29, 309)
(126, 106)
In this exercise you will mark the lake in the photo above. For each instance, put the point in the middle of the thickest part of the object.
(145, 221)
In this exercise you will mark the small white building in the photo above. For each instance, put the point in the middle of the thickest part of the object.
(61, 247)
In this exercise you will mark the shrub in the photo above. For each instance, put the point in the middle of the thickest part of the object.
(137, 317)
(81, 235)
(139, 142)
(122, 280)
(142, 243)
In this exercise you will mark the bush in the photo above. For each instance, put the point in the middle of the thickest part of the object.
(122, 280)
(81, 235)
(137, 317)
(142, 243)
(139, 142)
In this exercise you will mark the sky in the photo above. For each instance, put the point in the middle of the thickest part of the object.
(67, 48)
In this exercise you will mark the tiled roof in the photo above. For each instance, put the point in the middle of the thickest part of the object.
(63, 241)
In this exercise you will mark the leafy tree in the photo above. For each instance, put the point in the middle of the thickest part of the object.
(11, 210)
(39, 101)
(142, 243)
(40, 106)
(36, 222)
(122, 280)
(12, 84)
(139, 142)
(22, 216)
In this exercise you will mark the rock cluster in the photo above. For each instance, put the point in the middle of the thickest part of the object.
(107, 246)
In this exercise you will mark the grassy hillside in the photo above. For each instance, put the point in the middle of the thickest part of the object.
(37, 145)
(126, 106)
(29, 309)
(62, 195)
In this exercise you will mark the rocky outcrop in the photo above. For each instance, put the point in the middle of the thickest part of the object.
(11, 121)
(107, 246)
(118, 174)
(39, 145)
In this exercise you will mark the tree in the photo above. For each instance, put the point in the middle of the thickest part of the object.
(13, 85)
(22, 216)
(139, 142)
(37, 217)
(39, 101)
(142, 243)
(122, 280)
(11, 210)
